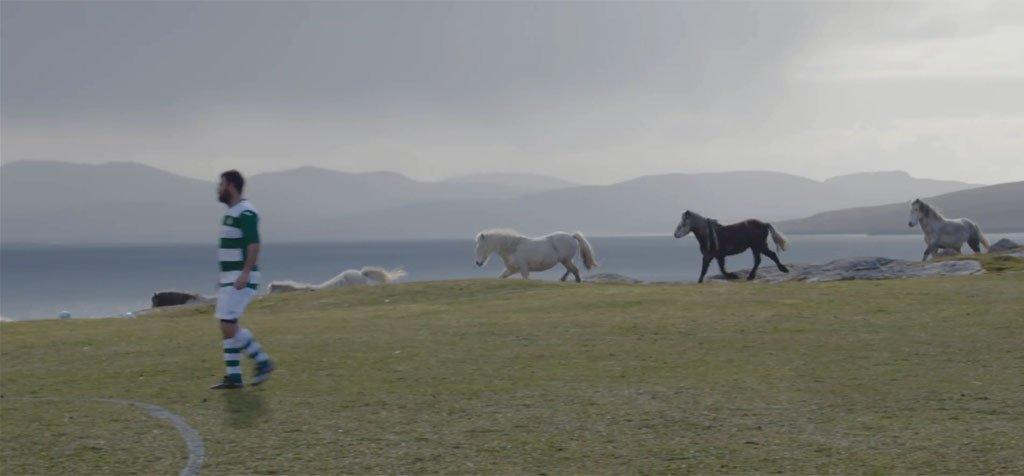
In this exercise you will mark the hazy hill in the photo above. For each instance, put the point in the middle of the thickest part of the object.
(51, 202)
(324, 192)
(995, 208)
(886, 187)
(49, 186)
(522, 181)
(650, 204)
(57, 202)
(118, 202)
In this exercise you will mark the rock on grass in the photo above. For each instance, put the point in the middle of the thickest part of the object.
(869, 268)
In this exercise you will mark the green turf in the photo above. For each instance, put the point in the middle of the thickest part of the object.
(908, 376)
(73, 437)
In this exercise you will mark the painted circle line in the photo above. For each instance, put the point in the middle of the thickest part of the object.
(193, 441)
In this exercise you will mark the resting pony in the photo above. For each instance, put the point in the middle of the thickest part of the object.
(522, 254)
(173, 298)
(942, 233)
(351, 277)
(717, 241)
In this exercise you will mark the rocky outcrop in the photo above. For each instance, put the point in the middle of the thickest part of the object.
(1004, 244)
(864, 268)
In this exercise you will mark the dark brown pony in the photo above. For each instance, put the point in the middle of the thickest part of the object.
(717, 241)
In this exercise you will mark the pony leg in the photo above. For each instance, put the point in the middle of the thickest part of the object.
(704, 268)
(570, 267)
(757, 262)
(524, 269)
(721, 267)
(774, 257)
(507, 273)
(927, 251)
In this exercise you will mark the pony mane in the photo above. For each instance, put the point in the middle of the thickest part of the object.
(500, 232)
(927, 210)
(706, 226)
(500, 239)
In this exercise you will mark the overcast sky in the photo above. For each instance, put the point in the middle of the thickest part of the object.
(591, 92)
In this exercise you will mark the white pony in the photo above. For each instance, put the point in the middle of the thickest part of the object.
(943, 233)
(351, 277)
(522, 254)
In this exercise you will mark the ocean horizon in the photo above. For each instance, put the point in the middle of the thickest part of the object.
(39, 281)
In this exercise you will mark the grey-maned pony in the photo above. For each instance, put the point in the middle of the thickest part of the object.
(350, 277)
(943, 233)
(522, 254)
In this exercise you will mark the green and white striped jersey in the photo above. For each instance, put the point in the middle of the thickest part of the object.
(238, 230)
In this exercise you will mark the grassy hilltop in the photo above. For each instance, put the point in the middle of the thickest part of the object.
(909, 376)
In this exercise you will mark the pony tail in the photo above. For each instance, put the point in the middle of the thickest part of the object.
(586, 252)
(780, 241)
(976, 234)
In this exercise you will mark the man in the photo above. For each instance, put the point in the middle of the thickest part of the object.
(239, 278)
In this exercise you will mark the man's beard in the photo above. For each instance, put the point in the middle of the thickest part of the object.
(225, 198)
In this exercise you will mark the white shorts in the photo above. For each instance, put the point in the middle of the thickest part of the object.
(231, 302)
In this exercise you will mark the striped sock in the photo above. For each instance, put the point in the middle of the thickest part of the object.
(251, 347)
(232, 356)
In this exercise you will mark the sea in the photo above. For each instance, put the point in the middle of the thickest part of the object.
(40, 282)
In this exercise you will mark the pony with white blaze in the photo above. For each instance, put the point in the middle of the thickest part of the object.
(945, 233)
(350, 277)
(523, 254)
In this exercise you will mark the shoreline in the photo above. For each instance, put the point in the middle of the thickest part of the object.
(632, 258)
(767, 275)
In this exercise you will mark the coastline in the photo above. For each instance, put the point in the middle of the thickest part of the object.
(107, 282)
(856, 270)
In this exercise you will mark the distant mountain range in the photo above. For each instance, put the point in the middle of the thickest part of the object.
(522, 182)
(121, 202)
(53, 202)
(996, 208)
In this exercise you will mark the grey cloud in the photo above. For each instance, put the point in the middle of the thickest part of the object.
(592, 91)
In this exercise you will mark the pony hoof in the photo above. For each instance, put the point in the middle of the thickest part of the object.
(784, 269)
(750, 278)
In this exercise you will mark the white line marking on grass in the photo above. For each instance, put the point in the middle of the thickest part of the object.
(193, 441)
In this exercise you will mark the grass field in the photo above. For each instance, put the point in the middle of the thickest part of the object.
(910, 376)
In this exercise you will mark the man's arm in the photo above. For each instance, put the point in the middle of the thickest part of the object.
(252, 255)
